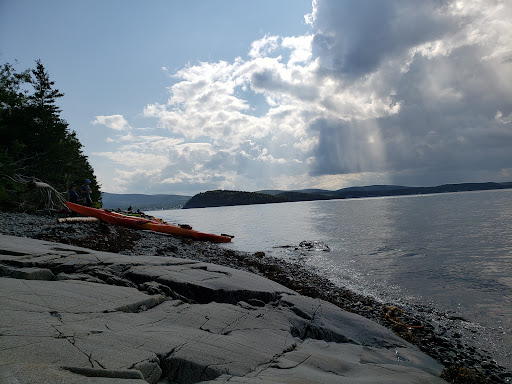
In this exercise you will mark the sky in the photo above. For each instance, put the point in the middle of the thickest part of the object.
(181, 97)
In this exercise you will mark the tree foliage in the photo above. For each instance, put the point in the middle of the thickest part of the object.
(35, 141)
(222, 198)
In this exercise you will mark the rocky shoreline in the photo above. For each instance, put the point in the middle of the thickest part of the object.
(463, 362)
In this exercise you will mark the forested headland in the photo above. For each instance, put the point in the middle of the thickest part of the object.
(35, 142)
(222, 198)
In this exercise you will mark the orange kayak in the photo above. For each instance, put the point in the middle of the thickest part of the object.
(143, 223)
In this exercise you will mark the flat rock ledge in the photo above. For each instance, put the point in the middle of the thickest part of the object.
(73, 315)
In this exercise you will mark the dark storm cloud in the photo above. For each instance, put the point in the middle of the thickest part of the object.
(451, 94)
(345, 147)
(356, 36)
(454, 128)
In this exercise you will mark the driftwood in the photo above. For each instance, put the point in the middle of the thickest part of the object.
(50, 199)
(40, 184)
(78, 220)
(50, 196)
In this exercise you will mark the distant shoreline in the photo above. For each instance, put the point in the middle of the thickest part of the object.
(221, 198)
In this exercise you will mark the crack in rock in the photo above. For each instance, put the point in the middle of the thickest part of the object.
(139, 306)
(107, 373)
(75, 251)
(12, 253)
(150, 368)
(187, 372)
(226, 330)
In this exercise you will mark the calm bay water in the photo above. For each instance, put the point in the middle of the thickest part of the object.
(450, 252)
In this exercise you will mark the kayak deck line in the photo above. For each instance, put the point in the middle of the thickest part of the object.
(152, 224)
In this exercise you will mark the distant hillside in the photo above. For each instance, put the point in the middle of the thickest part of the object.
(143, 202)
(279, 191)
(272, 192)
(374, 188)
(301, 196)
(374, 191)
(228, 198)
(314, 191)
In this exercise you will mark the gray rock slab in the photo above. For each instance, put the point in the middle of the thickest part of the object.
(45, 374)
(202, 282)
(209, 282)
(322, 320)
(326, 362)
(77, 331)
(28, 273)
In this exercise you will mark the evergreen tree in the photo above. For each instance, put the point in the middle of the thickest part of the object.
(34, 140)
(44, 97)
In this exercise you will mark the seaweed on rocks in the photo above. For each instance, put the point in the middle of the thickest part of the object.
(97, 236)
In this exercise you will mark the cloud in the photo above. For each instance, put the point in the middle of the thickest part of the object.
(355, 38)
(134, 159)
(347, 147)
(380, 92)
(300, 47)
(503, 119)
(115, 122)
(263, 47)
(440, 70)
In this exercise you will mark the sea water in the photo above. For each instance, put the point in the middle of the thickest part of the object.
(448, 252)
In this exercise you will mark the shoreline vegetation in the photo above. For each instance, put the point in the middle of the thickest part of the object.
(463, 362)
(36, 143)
